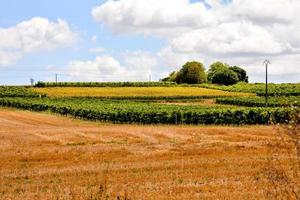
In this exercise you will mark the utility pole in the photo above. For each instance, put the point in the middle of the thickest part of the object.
(266, 62)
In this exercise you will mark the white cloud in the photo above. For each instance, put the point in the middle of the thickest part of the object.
(242, 32)
(230, 38)
(37, 34)
(163, 17)
(263, 12)
(136, 67)
(140, 61)
(102, 65)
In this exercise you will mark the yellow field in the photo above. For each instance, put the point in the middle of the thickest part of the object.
(133, 91)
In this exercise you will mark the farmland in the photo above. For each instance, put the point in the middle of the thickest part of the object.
(156, 142)
(13, 91)
(254, 101)
(134, 92)
(149, 113)
(287, 89)
(51, 157)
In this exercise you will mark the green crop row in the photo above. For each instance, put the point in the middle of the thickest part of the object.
(261, 101)
(287, 89)
(149, 113)
(15, 91)
(104, 84)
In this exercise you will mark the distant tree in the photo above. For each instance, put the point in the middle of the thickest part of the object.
(225, 77)
(171, 77)
(215, 67)
(192, 73)
(242, 74)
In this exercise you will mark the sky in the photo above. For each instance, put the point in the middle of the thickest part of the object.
(139, 40)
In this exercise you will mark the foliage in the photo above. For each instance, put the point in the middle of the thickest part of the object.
(104, 84)
(285, 89)
(149, 113)
(15, 91)
(221, 73)
(171, 77)
(241, 73)
(215, 67)
(190, 73)
(224, 77)
(260, 101)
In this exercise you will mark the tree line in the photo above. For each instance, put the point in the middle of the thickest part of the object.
(218, 73)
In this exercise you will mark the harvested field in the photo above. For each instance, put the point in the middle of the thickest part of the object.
(50, 157)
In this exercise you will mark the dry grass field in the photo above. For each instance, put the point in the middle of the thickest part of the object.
(134, 91)
(50, 157)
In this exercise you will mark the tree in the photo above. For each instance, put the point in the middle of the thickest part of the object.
(192, 73)
(215, 67)
(225, 77)
(171, 77)
(242, 74)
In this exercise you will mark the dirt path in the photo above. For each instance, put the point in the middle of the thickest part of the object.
(51, 157)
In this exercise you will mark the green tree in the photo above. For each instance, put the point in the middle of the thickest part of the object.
(225, 77)
(242, 74)
(171, 77)
(192, 73)
(215, 67)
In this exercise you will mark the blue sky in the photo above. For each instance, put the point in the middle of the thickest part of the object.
(78, 15)
(161, 44)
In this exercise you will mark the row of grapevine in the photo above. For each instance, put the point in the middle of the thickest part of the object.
(286, 89)
(147, 113)
(260, 101)
(104, 84)
(15, 91)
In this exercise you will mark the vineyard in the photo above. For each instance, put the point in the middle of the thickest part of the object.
(105, 84)
(13, 91)
(287, 89)
(117, 103)
(148, 113)
(256, 101)
(135, 92)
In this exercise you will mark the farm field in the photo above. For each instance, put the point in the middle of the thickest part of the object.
(124, 111)
(255, 101)
(45, 156)
(134, 92)
(284, 89)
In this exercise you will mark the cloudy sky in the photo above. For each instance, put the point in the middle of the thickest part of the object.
(129, 40)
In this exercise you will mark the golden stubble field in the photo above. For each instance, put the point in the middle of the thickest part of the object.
(50, 157)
